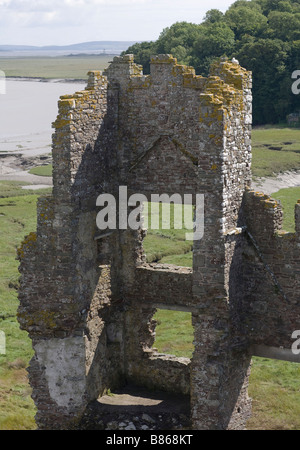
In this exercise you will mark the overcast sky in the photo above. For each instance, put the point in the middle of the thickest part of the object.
(45, 22)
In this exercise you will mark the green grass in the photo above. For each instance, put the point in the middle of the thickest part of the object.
(17, 218)
(165, 243)
(16, 406)
(185, 259)
(75, 67)
(275, 391)
(161, 248)
(274, 385)
(288, 198)
(14, 189)
(174, 333)
(275, 150)
(42, 171)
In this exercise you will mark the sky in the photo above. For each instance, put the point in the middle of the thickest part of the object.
(63, 22)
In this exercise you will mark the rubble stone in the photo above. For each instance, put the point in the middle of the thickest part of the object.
(87, 299)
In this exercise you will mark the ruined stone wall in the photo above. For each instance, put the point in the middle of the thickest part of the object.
(167, 132)
(182, 133)
(87, 299)
(59, 270)
(271, 273)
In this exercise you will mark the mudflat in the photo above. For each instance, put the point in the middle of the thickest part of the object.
(27, 111)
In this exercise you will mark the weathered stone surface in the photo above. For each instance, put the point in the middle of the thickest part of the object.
(87, 300)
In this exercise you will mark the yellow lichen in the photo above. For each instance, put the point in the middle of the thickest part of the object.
(45, 318)
(269, 204)
(28, 242)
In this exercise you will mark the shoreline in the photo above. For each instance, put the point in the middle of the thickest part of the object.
(46, 80)
(283, 180)
(15, 172)
(23, 151)
(26, 139)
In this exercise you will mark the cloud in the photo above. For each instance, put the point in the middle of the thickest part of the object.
(27, 12)
(40, 5)
(26, 5)
(62, 13)
(69, 21)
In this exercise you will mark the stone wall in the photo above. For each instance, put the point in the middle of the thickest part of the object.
(271, 267)
(87, 297)
(58, 265)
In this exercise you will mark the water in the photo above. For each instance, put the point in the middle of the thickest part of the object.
(27, 111)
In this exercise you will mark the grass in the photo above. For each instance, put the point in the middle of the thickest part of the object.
(14, 189)
(288, 198)
(164, 243)
(185, 260)
(16, 406)
(75, 67)
(275, 391)
(42, 171)
(17, 218)
(174, 333)
(274, 385)
(164, 249)
(275, 150)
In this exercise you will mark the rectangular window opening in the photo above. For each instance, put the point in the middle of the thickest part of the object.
(174, 333)
(168, 225)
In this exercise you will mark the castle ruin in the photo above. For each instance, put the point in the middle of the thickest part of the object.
(87, 298)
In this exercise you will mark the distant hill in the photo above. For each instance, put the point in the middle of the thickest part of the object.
(93, 46)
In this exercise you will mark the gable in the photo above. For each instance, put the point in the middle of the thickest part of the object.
(165, 167)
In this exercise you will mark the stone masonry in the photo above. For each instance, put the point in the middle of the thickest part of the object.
(87, 298)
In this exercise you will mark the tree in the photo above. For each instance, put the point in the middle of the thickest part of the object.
(216, 39)
(264, 35)
(213, 15)
(284, 25)
(178, 40)
(181, 34)
(247, 4)
(244, 20)
(268, 60)
(142, 52)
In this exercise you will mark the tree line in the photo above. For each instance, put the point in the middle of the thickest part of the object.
(263, 35)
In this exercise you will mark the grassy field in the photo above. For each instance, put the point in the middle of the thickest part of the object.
(168, 244)
(274, 385)
(17, 218)
(42, 171)
(288, 199)
(275, 150)
(74, 67)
